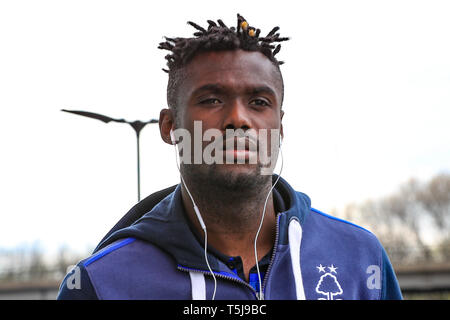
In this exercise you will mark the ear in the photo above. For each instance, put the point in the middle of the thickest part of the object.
(166, 123)
(281, 123)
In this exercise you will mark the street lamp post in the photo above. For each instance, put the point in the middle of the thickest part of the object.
(136, 125)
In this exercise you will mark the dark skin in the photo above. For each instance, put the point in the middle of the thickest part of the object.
(241, 89)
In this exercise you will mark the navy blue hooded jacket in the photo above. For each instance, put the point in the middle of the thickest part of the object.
(315, 256)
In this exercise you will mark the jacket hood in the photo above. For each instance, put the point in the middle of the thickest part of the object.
(166, 226)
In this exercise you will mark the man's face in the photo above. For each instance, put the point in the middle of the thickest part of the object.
(230, 90)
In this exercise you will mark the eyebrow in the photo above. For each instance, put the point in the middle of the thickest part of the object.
(217, 88)
(263, 89)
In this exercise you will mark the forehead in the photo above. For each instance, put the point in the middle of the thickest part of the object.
(232, 69)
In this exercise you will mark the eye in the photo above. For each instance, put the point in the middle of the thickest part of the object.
(210, 101)
(259, 102)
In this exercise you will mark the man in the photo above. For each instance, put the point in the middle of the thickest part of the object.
(229, 231)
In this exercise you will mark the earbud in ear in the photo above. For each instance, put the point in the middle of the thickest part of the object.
(172, 137)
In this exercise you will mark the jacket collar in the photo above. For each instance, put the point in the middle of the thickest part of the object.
(166, 226)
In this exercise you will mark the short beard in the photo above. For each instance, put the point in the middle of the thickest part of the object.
(207, 178)
(217, 191)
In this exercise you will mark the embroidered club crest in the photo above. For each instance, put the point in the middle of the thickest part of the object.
(328, 284)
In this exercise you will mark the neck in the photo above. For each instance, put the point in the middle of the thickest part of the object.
(232, 216)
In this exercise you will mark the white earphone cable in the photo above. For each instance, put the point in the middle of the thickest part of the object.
(200, 219)
(197, 212)
(261, 295)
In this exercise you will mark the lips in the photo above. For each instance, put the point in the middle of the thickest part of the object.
(240, 150)
(240, 144)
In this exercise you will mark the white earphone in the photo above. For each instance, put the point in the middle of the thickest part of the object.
(261, 295)
(172, 137)
(203, 226)
(197, 213)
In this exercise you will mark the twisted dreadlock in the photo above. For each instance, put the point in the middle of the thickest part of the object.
(216, 37)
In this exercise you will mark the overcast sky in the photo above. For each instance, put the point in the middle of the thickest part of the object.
(367, 100)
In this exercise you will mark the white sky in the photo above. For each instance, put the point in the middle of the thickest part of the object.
(367, 100)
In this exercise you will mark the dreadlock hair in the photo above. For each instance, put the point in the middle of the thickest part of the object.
(215, 38)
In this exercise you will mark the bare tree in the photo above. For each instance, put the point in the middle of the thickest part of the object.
(402, 219)
(435, 198)
(37, 268)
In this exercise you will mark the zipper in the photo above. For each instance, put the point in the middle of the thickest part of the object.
(266, 276)
(272, 258)
(220, 276)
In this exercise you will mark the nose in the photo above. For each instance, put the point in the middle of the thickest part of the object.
(237, 117)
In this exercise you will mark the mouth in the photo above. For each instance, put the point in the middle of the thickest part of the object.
(239, 150)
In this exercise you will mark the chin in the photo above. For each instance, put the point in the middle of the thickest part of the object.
(227, 177)
(236, 177)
